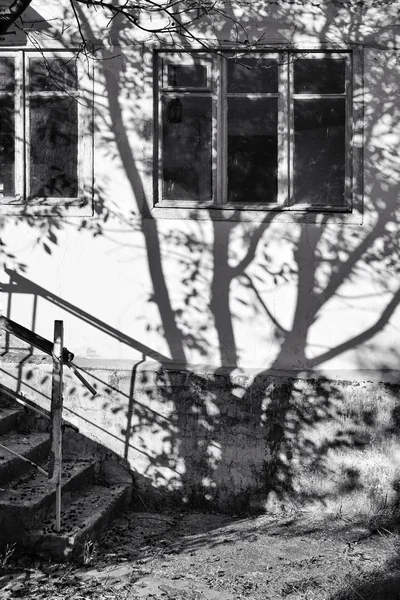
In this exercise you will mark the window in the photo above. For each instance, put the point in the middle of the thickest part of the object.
(45, 129)
(256, 130)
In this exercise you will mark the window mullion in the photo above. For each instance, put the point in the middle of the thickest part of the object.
(290, 186)
(19, 127)
(159, 121)
(82, 97)
(348, 186)
(27, 121)
(221, 160)
(285, 132)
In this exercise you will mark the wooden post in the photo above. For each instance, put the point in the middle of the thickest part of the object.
(56, 417)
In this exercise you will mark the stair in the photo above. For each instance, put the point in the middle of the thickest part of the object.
(95, 487)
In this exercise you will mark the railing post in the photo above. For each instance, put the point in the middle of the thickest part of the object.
(56, 417)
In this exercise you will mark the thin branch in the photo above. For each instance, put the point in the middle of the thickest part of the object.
(362, 337)
(347, 267)
(78, 23)
(7, 18)
(265, 307)
(245, 262)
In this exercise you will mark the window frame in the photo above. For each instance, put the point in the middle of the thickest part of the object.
(22, 94)
(352, 208)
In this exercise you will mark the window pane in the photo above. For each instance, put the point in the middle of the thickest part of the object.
(52, 74)
(187, 76)
(252, 74)
(7, 76)
(319, 151)
(7, 147)
(319, 75)
(252, 150)
(53, 147)
(187, 148)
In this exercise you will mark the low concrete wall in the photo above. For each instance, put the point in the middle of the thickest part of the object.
(235, 442)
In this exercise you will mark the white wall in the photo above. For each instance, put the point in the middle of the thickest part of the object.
(114, 275)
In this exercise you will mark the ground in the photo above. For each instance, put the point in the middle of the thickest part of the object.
(206, 556)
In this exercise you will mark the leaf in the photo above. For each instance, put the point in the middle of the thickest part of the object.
(260, 279)
(242, 302)
(52, 237)
(46, 248)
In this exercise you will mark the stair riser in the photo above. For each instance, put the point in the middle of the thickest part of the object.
(27, 507)
(32, 421)
(78, 550)
(9, 422)
(29, 419)
(15, 467)
(6, 401)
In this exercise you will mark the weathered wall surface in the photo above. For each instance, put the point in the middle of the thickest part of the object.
(237, 442)
(275, 296)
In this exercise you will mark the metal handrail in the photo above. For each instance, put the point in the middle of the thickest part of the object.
(21, 399)
(39, 342)
(60, 356)
(23, 458)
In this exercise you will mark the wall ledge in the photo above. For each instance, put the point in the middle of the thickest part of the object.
(209, 370)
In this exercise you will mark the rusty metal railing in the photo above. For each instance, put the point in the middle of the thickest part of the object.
(61, 356)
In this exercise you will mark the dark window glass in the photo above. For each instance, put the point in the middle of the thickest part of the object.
(187, 76)
(319, 75)
(252, 74)
(7, 146)
(7, 76)
(54, 147)
(52, 74)
(187, 148)
(319, 151)
(252, 150)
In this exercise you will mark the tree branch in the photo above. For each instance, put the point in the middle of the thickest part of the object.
(362, 337)
(347, 267)
(265, 307)
(8, 17)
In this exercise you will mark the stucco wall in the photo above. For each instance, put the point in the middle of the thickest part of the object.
(235, 442)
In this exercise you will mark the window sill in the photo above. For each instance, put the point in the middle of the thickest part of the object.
(59, 207)
(255, 214)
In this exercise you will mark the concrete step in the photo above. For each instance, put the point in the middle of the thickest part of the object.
(35, 446)
(96, 487)
(9, 419)
(5, 399)
(27, 501)
(29, 418)
(82, 521)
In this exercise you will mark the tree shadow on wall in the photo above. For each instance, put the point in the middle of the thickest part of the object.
(223, 440)
(225, 431)
(277, 440)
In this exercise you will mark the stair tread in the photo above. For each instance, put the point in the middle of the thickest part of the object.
(85, 509)
(8, 411)
(31, 489)
(21, 443)
(81, 520)
(27, 498)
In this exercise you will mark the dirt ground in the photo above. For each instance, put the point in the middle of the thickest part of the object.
(206, 556)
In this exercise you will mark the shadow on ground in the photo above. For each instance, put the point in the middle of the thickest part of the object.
(380, 584)
(210, 556)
